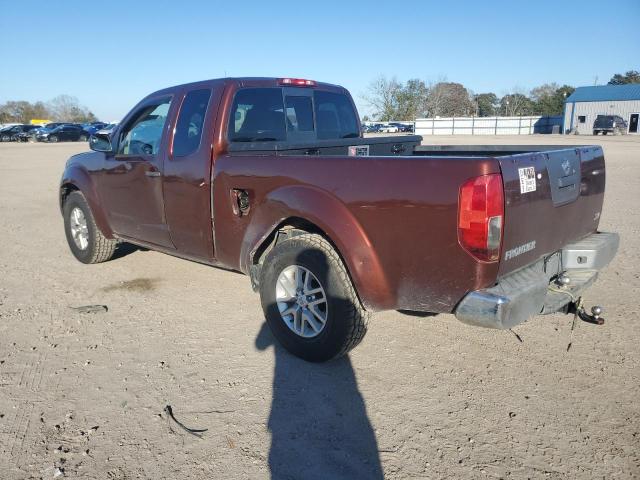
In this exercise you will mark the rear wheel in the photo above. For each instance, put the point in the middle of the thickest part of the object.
(86, 241)
(309, 301)
(5, 138)
(83, 138)
(53, 138)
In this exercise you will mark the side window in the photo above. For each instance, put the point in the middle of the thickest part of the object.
(257, 115)
(143, 133)
(335, 116)
(188, 133)
(299, 114)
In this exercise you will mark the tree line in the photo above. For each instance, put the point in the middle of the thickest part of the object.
(63, 108)
(390, 99)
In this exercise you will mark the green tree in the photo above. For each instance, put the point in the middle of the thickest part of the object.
(632, 76)
(487, 104)
(549, 98)
(382, 97)
(449, 99)
(516, 104)
(411, 100)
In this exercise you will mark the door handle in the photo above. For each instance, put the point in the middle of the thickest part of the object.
(152, 173)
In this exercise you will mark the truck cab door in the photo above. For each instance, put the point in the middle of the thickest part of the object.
(187, 173)
(131, 183)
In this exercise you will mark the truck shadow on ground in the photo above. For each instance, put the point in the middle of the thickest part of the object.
(318, 421)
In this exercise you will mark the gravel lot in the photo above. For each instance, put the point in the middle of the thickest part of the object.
(83, 395)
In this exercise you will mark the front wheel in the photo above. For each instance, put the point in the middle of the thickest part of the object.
(83, 138)
(53, 138)
(86, 241)
(309, 301)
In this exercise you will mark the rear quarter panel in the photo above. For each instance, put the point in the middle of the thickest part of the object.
(393, 220)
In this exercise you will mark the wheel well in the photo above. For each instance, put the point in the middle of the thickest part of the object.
(65, 191)
(288, 228)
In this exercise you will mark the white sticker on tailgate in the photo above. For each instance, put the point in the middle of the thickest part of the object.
(527, 179)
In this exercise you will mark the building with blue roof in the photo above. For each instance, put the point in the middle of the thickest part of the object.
(583, 106)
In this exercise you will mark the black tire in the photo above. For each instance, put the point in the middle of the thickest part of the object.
(53, 138)
(99, 248)
(5, 138)
(346, 322)
(604, 132)
(83, 138)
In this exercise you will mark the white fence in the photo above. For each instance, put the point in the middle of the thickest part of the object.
(488, 125)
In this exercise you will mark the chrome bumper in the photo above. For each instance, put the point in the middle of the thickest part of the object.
(525, 293)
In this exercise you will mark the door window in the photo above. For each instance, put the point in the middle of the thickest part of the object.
(143, 133)
(188, 133)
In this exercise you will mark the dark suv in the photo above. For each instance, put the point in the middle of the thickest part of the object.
(63, 133)
(609, 124)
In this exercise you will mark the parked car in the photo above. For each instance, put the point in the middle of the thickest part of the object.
(63, 133)
(388, 129)
(93, 127)
(10, 134)
(609, 124)
(27, 132)
(494, 235)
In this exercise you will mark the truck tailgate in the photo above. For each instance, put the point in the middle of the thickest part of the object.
(551, 198)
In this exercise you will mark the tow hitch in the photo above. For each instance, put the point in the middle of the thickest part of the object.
(576, 308)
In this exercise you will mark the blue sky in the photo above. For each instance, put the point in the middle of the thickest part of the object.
(110, 54)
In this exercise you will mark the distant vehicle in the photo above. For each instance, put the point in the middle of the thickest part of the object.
(10, 134)
(62, 133)
(403, 127)
(609, 124)
(388, 129)
(93, 127)
(108, 128)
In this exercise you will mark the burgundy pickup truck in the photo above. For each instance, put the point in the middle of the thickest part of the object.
(271, 177)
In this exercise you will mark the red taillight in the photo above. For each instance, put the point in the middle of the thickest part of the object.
(296, 82)
(480, 216)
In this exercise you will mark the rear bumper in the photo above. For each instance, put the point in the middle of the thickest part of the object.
(525, 293)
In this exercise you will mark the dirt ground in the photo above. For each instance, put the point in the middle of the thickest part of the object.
(83, 395)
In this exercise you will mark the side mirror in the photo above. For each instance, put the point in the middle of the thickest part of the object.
(100, 142)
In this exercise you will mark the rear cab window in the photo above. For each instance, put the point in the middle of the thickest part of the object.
(278, 114)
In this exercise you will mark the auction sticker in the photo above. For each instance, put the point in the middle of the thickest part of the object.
(527, 179)
(359, 151)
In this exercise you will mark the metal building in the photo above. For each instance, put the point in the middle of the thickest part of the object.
(586, 103)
